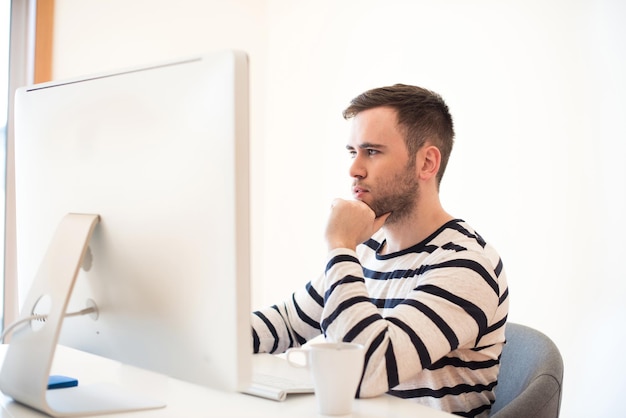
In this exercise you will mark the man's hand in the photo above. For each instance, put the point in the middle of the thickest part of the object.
(351, 222)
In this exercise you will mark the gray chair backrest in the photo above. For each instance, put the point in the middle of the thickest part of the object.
(531, 376)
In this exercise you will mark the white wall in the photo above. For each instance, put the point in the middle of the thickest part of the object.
(538, 93)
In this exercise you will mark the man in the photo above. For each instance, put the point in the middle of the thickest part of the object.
(421, 290)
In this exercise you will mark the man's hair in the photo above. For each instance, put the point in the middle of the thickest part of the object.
(421, 114)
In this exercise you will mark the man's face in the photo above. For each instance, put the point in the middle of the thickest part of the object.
(384, 175)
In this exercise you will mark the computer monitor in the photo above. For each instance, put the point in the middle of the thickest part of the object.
(161, 155)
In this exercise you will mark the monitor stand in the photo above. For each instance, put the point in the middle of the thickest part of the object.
(26, 368)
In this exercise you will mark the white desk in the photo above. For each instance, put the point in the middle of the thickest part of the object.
(188, 400)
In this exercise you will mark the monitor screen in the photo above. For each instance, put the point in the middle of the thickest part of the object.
(161, 154)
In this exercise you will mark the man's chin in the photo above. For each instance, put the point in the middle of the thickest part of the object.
(372, 207)
(378, 211)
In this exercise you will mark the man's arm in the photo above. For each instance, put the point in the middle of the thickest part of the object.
(449, 308)
(290, 323)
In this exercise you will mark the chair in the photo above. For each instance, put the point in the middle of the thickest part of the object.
(531, 376)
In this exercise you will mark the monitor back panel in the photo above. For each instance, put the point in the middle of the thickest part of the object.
(161, 154)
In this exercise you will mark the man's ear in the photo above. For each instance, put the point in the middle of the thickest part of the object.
(428, 162)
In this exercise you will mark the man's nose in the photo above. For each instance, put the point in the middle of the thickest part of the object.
(357, 168)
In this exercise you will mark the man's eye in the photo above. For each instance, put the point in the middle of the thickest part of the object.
(352, 153)
(372, 151)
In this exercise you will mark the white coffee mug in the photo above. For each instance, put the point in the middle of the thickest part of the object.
(336, 369)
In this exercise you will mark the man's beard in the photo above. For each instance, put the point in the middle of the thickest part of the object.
(397, 195)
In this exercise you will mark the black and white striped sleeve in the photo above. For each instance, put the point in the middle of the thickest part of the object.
(290, 323)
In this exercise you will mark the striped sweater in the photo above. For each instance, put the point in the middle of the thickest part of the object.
(431, 317)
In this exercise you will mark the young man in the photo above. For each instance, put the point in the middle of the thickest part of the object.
(421, 290)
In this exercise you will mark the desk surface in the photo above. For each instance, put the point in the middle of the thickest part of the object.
(188, 400)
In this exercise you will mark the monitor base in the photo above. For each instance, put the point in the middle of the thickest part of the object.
(26, 368)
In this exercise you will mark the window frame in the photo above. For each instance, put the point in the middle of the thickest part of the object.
(30, 61)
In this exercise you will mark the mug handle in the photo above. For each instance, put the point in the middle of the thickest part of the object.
(299, 352)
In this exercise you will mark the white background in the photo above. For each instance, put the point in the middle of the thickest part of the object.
(538, 92)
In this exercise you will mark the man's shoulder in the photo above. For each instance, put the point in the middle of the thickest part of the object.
(457, 235)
